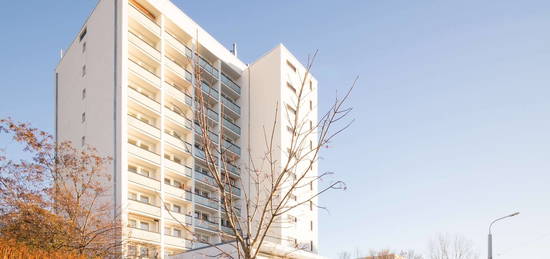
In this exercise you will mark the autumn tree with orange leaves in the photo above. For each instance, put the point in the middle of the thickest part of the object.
(57, 198)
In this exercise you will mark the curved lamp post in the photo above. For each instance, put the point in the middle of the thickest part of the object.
(490, 250)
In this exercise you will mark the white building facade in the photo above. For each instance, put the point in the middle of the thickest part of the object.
(125, 87)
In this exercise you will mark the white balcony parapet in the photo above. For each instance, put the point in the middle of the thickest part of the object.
(182, 72)
(145, 74)
(177, 242)
(179, 95)
(179, 119)
(144, 208)
(177, 168)
(144, 181)
(144, 154)
(143, 235)
(144, 20)
(143, 127)
(180, 144)
(143, 45)
(179, 218)
(179, 46)
(177, 192)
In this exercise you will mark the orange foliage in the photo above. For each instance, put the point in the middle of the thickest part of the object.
(14, 250)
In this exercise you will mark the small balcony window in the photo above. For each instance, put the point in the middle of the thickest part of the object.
(83, 117)
(176, 208)
(83, 47)
(83, 93)
(132, 223)
(83, 70)
(83, 141)
(144, 251)
(144, 226)
(177, 233)
(144, 198)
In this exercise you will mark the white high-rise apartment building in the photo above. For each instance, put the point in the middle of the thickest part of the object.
(125, 86)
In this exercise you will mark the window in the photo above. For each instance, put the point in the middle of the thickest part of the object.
(311, 225)
(144, 251)
(83, 33)
(176, 208)
(132, 223)
(178, 184)
(311, 186)
(132, 196)
(132, 168)
(167, 181)
(311, 105)
(310, 85)
(291, 87)
(144, 225)
(311, 245)
(167, 231)
(177, 233)
(83, 117)
(132, 250)
(144, 198)
(83, 47)
(310, 125)
(83, 93)
(292, 67)
(311, 205)
(83, 141)
(84, 70)
(310, 145)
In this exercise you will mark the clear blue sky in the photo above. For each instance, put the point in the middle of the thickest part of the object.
(452, 110)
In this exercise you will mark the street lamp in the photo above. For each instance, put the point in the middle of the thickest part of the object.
(491, 236)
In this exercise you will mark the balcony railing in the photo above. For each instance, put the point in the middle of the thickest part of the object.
(234, 189)
(179, 45)
(143, 99)
(144, 72)
(207, 179)
(144, 20)
(204, 224)
(143, 234)
(181, 71)
(231, 168)
(144, 153)
(211, 135)
(207, 67)
(210, 91)
(231, 126)
(143, 126)
(179, 168)
(178, 241)
(229, 83)
(144, 207)
(179, 142)
(178, 192)
(143, 45)
(232, 147)
(228, 230)
(231, 105)
(178, 118)
(213, 204)
(179, 217)
(143, 180)
(179, 94)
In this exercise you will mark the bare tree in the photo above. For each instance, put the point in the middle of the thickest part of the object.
(451, 247)
(410, 254)
(344, 255)
(272, 189)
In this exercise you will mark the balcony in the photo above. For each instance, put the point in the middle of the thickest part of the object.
(144, 20)
(204, 224)
(207, 202)
(178, 118)
(231, 168)
(205, 65)
(143, 180)
(178, 143)
(232, 147)
(178, 45)
(143, 126)
(231, 126)
(144, 235)
(144, 154)
(144, 208)
(234, 189)
(144, 100)
(210, 91)
(178, 241)
(144, 73)
(228, 230)
(178, 168)
(211, 135)
(179, 95)
(197, 245)
(148, 48)
(179, 218)
(179, 70)
(231, 105)
(230, 84)
(177, 192)
(204, 178)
